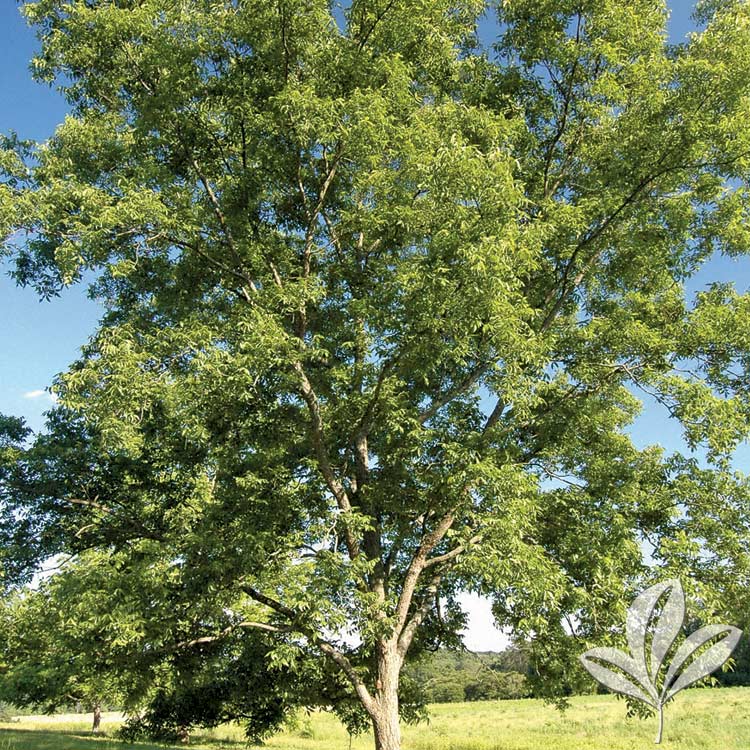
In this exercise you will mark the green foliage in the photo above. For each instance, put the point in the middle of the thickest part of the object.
(6, 711)
(58, 648)
(379, 308)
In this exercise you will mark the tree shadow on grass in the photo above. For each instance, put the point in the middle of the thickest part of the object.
(68, 739)
(62, 739)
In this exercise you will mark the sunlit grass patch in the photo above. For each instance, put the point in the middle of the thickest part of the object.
(698, 720)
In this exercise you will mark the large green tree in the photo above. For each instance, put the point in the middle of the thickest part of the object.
(380, 304)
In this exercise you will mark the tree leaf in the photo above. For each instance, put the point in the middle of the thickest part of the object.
(668, 627)
(614, 680)
(639, 618)
(706, 663)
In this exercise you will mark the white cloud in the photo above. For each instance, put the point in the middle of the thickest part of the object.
(34, 394)
(40, 394)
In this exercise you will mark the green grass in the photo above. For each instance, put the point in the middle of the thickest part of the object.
(716, 719)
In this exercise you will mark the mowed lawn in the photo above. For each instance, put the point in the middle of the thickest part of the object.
(710, 719)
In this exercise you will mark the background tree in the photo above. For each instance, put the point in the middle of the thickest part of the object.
(52, 648)
(368, 289)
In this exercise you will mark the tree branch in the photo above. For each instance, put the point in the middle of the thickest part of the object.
(471, 379)
(337, 656)
(567, 100)
(218, 264)
(321, 453)
(348, 669)
(216, 206)
(452, 554)
(247, 624)
(269, 602)
(407, 634)
(416, 567)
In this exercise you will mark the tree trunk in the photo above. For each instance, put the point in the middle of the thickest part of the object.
(386, 727)
(385, 720)
(97, 719)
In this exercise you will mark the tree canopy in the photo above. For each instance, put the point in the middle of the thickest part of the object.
(381, 302)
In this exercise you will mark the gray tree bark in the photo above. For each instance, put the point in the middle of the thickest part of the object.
(385, 716)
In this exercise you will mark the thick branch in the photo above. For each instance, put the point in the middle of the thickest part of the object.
(89, 504)
(495, 415)
(410, 628)
(348, 669)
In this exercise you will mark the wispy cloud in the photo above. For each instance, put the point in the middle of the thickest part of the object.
(34, 394)
(40, 394)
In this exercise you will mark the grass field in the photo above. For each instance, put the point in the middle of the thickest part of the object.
(717, 719)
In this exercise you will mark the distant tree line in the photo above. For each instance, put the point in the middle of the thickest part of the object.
(452, 676)
(448, 676)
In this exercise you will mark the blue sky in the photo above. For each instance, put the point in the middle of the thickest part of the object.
(40, 339)
(37, 339)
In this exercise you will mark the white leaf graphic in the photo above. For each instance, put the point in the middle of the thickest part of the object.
(711, 659)
(614, 680)
(667, 628)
